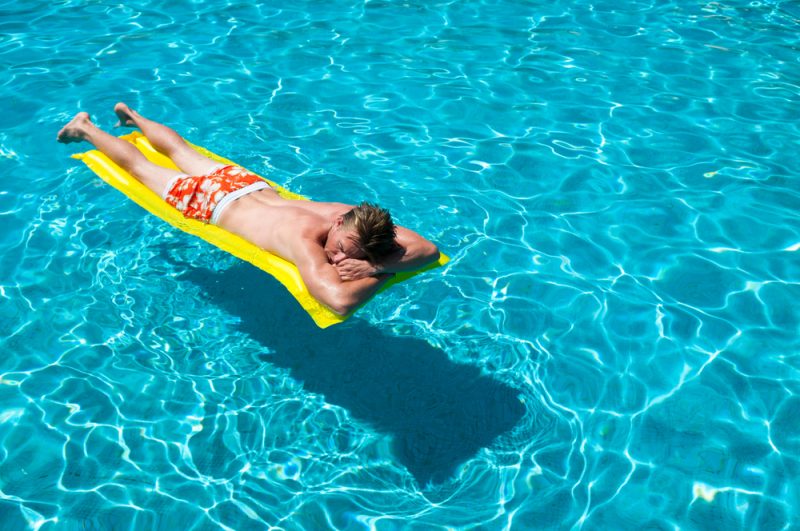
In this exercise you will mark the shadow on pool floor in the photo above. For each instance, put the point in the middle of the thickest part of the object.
(439, 413)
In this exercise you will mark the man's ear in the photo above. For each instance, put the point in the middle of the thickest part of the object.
(339, 221)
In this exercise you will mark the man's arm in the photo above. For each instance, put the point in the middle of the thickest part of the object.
(413, 252)
(324, 282)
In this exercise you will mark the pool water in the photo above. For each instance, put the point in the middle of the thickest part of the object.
(614, 344)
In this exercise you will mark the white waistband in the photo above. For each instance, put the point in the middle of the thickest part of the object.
(233, 196)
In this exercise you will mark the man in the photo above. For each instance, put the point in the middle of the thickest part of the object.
(343, 253)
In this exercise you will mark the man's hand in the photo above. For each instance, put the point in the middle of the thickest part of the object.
(352, 269)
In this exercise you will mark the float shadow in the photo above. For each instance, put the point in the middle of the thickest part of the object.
(439, 413)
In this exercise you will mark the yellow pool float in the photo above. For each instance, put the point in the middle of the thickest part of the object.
(281, 269)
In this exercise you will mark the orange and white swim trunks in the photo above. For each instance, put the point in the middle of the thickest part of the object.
(205, 197)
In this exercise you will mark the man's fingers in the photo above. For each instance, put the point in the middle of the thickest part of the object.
(352, 269)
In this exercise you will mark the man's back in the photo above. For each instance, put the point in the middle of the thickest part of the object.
(277, 224)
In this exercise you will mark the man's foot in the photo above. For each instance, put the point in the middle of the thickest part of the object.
(75, 130)
(125, 115)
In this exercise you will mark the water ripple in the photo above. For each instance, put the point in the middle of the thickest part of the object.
(613, 344)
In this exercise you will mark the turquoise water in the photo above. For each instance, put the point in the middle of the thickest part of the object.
(613, 346)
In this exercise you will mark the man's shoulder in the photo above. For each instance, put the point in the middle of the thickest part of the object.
(307, 227)
(326, 208)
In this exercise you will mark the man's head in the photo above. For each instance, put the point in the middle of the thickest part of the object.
(366, 232)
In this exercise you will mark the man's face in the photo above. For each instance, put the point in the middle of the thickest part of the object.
(340, 245)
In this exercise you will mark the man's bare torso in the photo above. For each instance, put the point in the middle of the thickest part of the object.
(274, 223)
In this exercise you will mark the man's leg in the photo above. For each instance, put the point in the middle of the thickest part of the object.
(167, 141)
(122, 152)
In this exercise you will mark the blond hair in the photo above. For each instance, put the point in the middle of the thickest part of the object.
(375, 231)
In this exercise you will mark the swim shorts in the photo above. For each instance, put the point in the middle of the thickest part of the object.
(205, 197)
